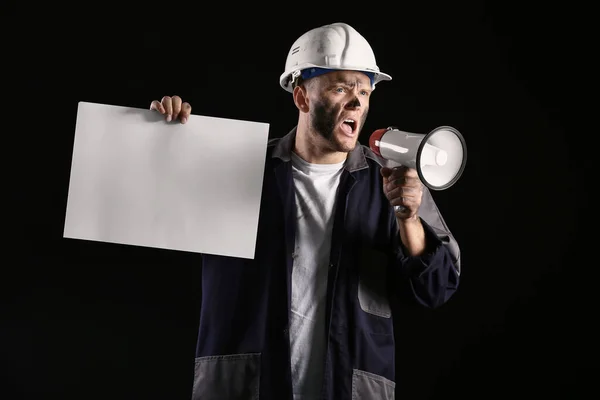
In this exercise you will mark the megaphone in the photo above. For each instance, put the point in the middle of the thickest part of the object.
(439, 157)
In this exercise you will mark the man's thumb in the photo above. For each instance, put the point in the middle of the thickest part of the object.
(385, 172)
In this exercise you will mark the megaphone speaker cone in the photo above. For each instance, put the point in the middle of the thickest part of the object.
(439, 156)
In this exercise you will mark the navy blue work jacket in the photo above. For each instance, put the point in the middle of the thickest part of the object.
(243, 340)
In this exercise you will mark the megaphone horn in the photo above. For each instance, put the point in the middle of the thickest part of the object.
(439, 156)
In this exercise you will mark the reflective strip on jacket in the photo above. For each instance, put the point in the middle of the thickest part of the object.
(243, 340)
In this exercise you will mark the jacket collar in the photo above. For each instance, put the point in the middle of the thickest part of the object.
(283, 149)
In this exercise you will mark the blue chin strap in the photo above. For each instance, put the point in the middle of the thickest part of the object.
(312, 72)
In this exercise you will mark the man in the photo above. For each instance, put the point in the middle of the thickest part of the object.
(310, 316)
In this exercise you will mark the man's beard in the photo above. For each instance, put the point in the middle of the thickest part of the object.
(324, 122)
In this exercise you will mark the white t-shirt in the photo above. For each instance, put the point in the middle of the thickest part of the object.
(316, 190)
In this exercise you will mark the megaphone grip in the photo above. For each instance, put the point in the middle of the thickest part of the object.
(399, 209)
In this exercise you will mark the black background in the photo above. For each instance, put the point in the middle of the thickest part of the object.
(84, 320)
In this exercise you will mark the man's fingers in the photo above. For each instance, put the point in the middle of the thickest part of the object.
(176, 102)
(168, 105)
(406, 192)
(155, 105)
(408, 202)
(172, 107)
(406, 182)
(386, 173)
(400, 172)
(186, 110)
(403, 188)
(399, 201)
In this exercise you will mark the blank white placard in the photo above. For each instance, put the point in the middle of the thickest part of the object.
(138, 180)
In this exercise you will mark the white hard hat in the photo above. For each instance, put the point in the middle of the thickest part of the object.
(330, 47)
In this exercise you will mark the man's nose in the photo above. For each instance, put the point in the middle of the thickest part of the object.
(354, 103)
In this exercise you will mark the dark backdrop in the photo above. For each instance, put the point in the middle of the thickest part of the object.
(83, 320)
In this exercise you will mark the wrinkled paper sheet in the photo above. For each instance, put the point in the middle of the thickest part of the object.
(138, 180)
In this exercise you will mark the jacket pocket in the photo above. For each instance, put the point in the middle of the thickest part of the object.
(368, 386)
(232, 377)
(372, 283)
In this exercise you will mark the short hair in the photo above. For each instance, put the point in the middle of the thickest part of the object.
(298, 82)
(301, 81)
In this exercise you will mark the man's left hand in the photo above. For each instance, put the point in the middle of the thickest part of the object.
(402, 187)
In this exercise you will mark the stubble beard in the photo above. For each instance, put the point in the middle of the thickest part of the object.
(324, 121)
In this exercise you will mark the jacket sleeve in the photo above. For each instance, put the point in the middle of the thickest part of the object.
(433, 277)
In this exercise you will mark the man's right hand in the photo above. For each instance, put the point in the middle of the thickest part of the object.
(172, 108)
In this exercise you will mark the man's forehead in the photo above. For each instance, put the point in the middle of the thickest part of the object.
(348, 77)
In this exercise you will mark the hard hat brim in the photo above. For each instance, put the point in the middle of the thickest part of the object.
(285, 81)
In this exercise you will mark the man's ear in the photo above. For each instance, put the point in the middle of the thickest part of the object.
(301, 98)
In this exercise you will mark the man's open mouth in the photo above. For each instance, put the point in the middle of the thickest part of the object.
(349, 126)
(350, 122)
